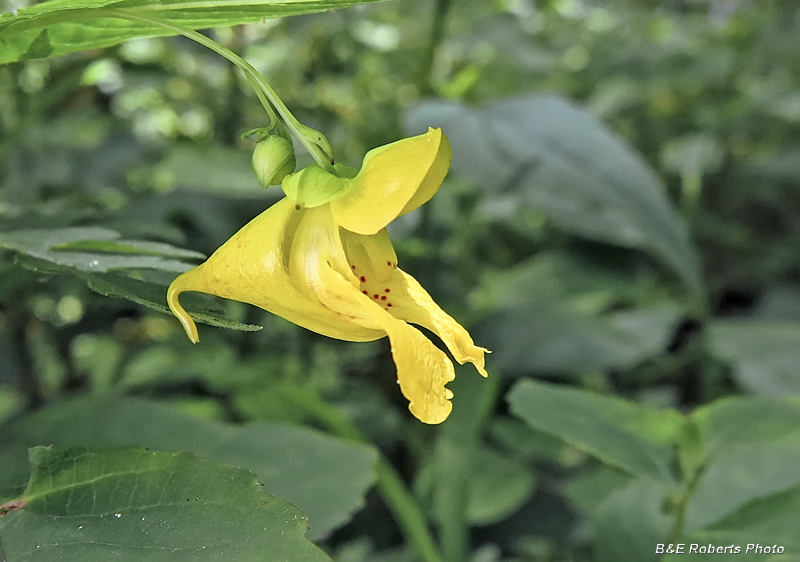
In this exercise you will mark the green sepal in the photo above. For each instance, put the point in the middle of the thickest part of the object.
(345, 171)
(313, 186)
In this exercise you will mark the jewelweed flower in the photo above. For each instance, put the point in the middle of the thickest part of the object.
(321, 258)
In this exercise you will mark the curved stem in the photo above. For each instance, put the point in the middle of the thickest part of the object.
(268, 97)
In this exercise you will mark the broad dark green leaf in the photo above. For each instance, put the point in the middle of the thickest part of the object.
(325, 477)
(631, 437)
(525, 442)
(499, 486)
(742, 474)
(138, 505)
(549, 314)
(751, 448)
(765, 355)
(729, 422)
(554, 338)
(767, 522)
(629, 523)
(549, 154)
(58, 27)
(589, 490)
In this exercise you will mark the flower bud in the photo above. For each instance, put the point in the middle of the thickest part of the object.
(273, 160)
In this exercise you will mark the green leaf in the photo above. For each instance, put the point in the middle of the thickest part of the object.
(134, 247)
(728, 422)
(94, 250)
(525, 442)
(93, 254)
(630, 522)
(550, 314)
(589, 490)
(552, 338)
(325, 477)
(770, 521)
(216, 170)
(139, 505)
(58, 27)
(745, 459)
(547, 153)
(153, 295)
(765, 355)
(742, 474)
(498, 487)
(620, 433)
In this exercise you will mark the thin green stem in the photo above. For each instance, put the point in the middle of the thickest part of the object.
(406, 510)
(683, 504)
(398, 498)
(437, 34)
(266, 95)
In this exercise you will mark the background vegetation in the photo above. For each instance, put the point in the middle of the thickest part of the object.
(621, 226)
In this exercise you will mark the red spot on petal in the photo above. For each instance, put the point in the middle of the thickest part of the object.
(297, 207)
(389, 304)
(386, 291)
(353, 266)
(366, 293)
(383, 298)
(389, 263)
(363, 279)
(374, 296)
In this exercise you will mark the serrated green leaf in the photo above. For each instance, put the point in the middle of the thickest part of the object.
(45, 244)
(58, 27)
(93, 254)
(623, 434)
(139, 505)
(325, 477)
(134, 247)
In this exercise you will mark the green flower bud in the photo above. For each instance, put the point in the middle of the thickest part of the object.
(273, 160)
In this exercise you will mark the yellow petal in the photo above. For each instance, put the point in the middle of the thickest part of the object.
(417, 306)
(434, 177)
(394, 179)
(422, 368)
(422, 371)
(253, 267)
(403, 297)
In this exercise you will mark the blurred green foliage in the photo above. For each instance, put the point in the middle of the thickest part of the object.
(621, 226)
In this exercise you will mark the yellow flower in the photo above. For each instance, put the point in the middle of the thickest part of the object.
(321, 258)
